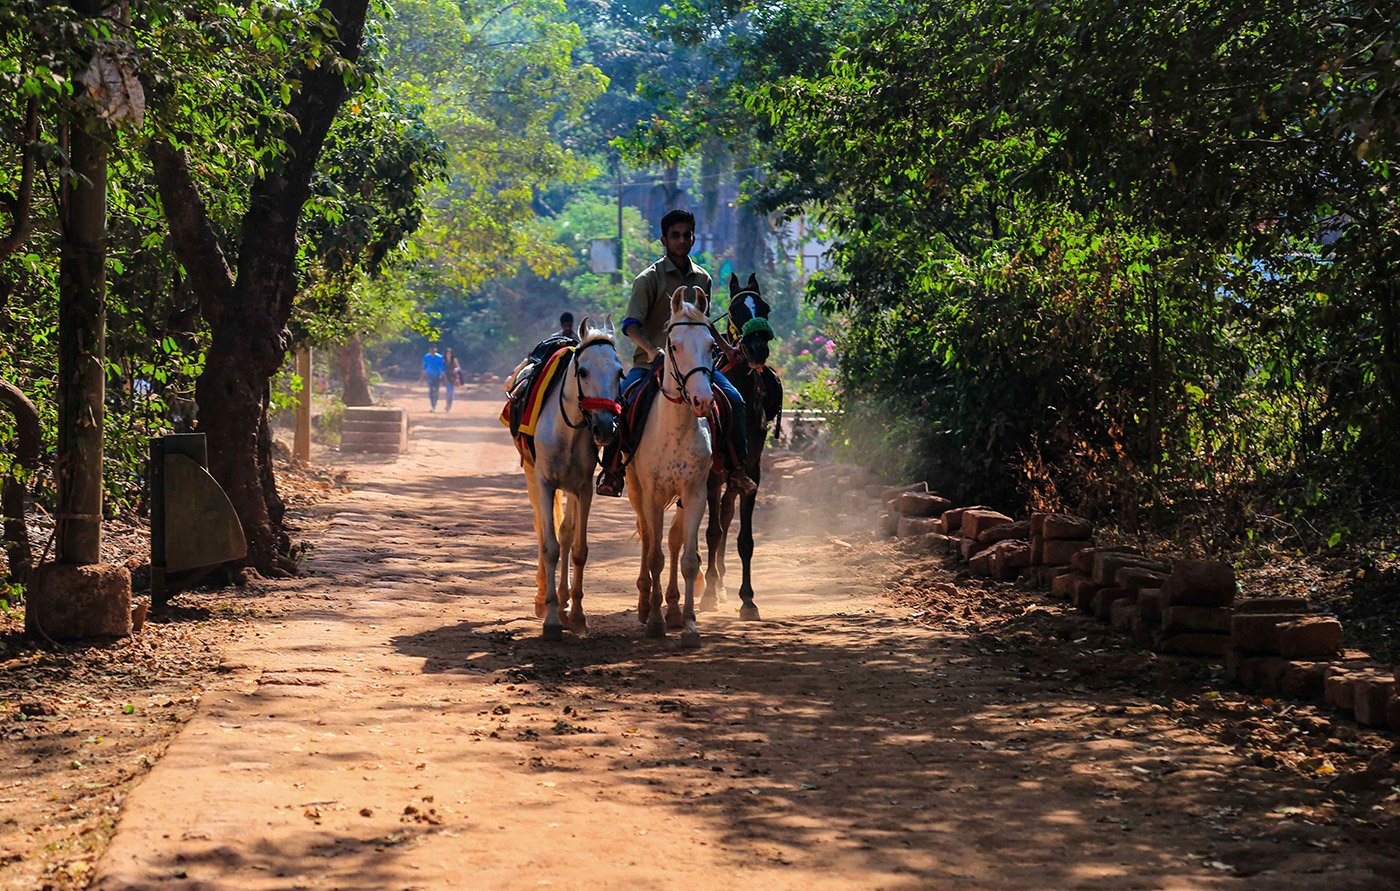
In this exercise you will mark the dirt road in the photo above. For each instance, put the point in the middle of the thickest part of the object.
(402, 726)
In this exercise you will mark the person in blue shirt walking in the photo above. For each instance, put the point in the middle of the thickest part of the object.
(434, 368)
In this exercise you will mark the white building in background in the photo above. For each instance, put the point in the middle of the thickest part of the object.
(807, 244)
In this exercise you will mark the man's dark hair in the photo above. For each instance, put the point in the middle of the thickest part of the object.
(566, 319)
(677, 216)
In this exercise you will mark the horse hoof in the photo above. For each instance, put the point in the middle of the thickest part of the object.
(553, 632)
(748, 613)
(674, 619)
(708, 604)
(656, 629)
(690, 639)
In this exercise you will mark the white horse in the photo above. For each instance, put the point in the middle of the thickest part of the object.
(579, 417)
(672, 462)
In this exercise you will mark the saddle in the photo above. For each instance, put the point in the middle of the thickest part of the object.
(771, 384)
(535, 380)
(638, 399)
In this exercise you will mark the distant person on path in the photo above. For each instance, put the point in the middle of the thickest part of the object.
(645, 325)
(566, 326)
(434, 367)
(451, 376)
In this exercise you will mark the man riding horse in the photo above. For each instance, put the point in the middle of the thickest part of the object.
(645, 324)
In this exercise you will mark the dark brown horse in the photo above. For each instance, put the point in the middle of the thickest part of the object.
(749, 332)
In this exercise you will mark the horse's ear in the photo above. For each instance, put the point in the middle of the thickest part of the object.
(677, 298)
(584, 326)
(702, 301)
(753, 282)
(608, 323)
(733, 284)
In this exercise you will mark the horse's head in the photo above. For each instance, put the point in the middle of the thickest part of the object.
(748, 321)
(690, 362)
(599, 372)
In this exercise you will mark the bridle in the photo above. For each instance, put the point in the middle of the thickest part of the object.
(680, 379)
(587, 404)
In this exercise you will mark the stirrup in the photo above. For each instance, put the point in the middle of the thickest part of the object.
(610, 483)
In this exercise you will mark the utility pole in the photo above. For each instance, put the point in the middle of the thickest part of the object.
(621, 275)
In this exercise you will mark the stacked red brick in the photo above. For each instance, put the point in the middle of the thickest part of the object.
(1055, 539)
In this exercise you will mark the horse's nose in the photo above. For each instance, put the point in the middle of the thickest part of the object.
(702, 405)
(604, 427)
(756, 352)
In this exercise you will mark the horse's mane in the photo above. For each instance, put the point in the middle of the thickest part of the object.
(690, 313)
(595, 335)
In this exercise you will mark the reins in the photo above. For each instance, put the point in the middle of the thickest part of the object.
(680, 380)
(587, 404)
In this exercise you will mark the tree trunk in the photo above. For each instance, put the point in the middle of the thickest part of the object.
(671, 187)
(247, 309)
(28, 448)
(354, 383)
(82, 320)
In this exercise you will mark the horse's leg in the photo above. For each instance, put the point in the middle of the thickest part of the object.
(567, 530)
(656, 625)
(714, 544)
(644, 536)
(747, 610)
(673, 590)
(539, 537)
(726, 522)
(580, 504)
(549, 557)
(694, 512)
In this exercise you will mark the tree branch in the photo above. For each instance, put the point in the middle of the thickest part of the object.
(21, 202)
(191, 231)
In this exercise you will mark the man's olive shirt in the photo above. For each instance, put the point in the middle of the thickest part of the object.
(650, 305)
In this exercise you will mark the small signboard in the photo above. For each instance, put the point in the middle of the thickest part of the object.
(602, 255)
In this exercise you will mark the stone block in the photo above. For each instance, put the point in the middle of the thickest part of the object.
(911, 527)
(1303, 680)
(1149, 604)
(1045, 575)
(1008, 558)
(923, 504)
(1257, 633)
(1339, 691)
(1017, 531)
(1061, 551)
(892, 494)
(952, 519)
(1083, 595)
(1213, 620)
(940, 544)
(975, 522)
(1107, 565)
(1064, 586)
(1312, 637)
(77, 602)
(1083, 559)
(1054, 527)
(1136, 578)
(889, 524)
(1262, 674)
(1372, 695)
(969, 547)
(1037, 549)
(1200, 583)
(981, 563)
(1121, 615)
(1289, 605)
(1202, 645)
(1392, 713)
(1105, 598)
